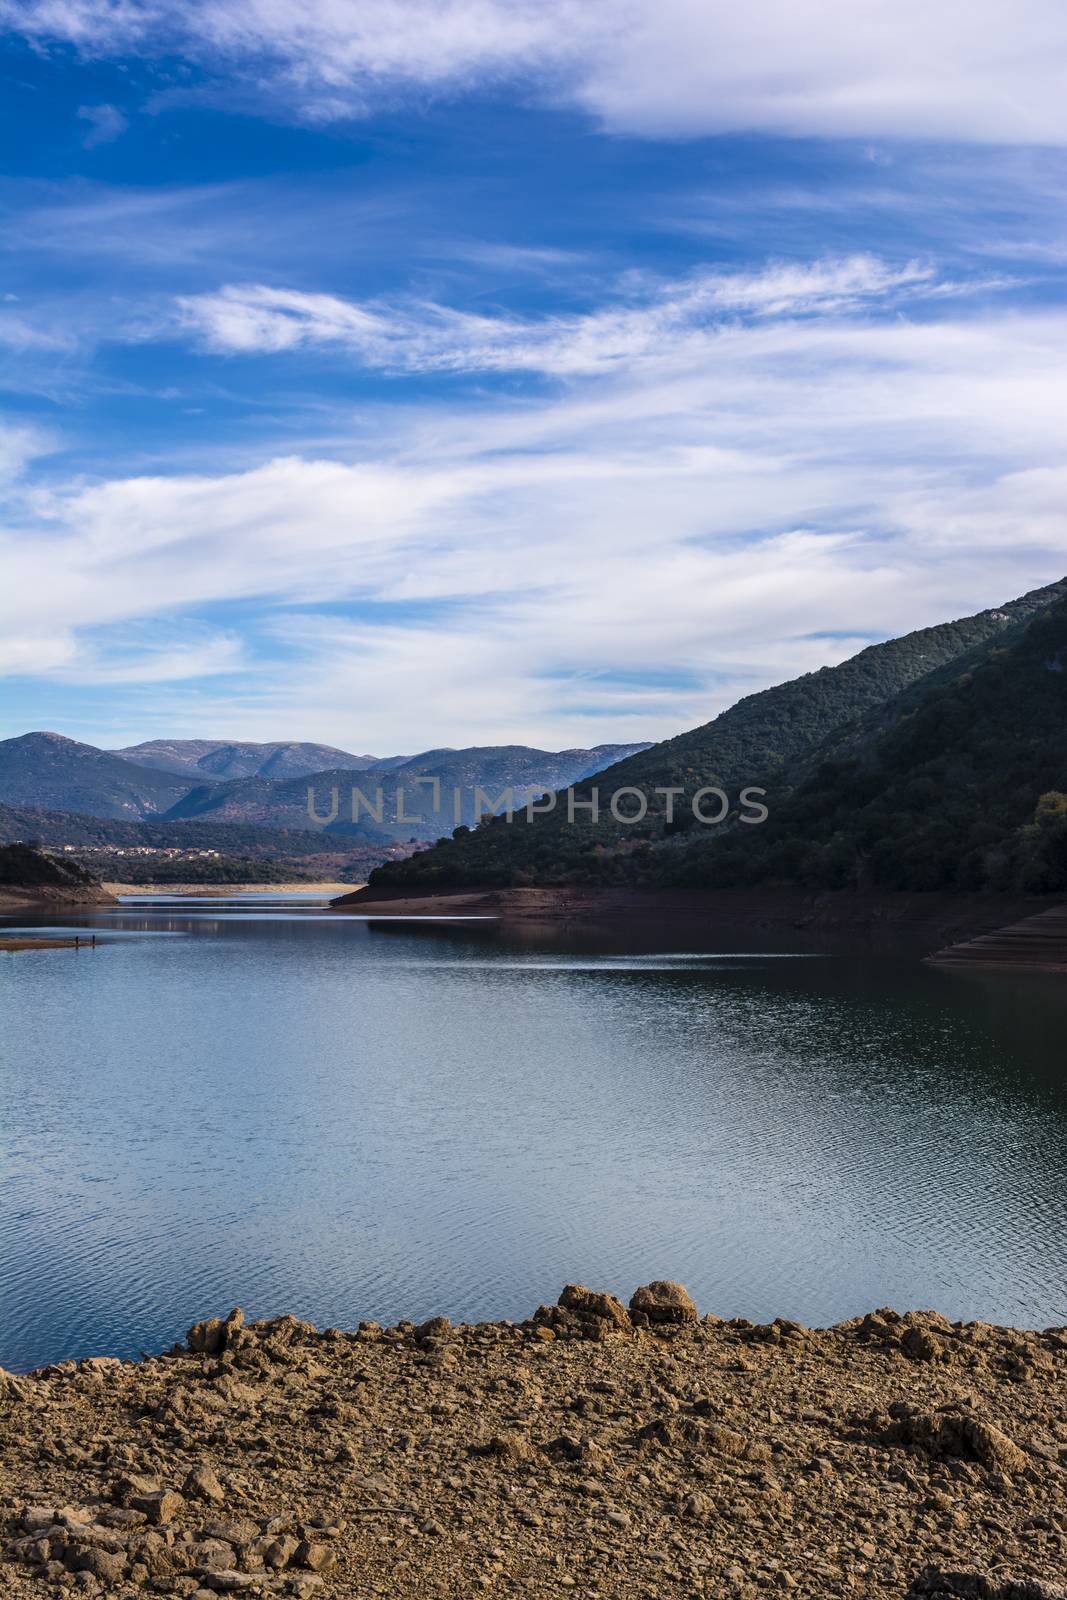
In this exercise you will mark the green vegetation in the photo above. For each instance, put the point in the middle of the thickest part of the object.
(231, 838)
(919, 764)
(191, 869)
(963, 791)
(196, 869)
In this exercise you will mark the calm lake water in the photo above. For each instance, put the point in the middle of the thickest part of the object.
(271, 1105)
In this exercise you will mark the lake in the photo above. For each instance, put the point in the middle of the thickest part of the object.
(256, 1101)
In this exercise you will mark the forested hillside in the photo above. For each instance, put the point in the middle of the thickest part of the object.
(775, 739)
(967, 790)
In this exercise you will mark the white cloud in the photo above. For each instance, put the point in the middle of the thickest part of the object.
(617, 559)
(20, 443)
(417, 337)
(887, 68)
(106, 122)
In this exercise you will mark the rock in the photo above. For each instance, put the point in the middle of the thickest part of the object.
(121, 1517)
(106, 1565)
(210, 1337)
(954, 1434)
(934, 1584)
(241, 1530)
(435, 1328)
(12, 1389)
(230, 1582)
(727, 1441)
(316, 1557)
(510, 1447)
(209, 1555)
(205, 1338)
(661, 1304)
(922, 1345)
(202, 1484)
(584, 1314)
(883, 1325)
(280, 1551)
(129, 1485)
(161, 1505)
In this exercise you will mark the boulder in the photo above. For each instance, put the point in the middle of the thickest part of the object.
(202, 1484)
(316, 1557)
(955, 1434)
(661, 1304)
(161, 1506)
(210, 1337)
(435, 1328)
(583, 1313)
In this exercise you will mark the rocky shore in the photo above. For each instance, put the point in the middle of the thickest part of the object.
(922, 922)
(595, 1450)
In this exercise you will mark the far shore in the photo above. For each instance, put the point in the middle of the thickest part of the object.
(330, 888)
(36, 898)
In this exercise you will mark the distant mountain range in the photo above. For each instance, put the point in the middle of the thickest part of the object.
(919, 763)
(222, 759)
(184, 780)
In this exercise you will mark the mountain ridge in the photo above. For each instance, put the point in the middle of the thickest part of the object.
(45, 771)
(767, 739)
(241, 758)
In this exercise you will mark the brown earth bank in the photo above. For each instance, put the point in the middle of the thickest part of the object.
(217, 891)
(929, 920)
(592, 1450)
(1037, 942)
(48, 897)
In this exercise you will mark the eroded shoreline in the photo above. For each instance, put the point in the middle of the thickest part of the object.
(921, 923)
(593, 1449)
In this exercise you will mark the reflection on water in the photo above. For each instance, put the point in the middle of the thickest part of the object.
(296, 1111)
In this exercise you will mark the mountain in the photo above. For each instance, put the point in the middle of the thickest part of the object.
(426, 781)
(222, 759)
(47, 771)
(771, 739)
(962, 788)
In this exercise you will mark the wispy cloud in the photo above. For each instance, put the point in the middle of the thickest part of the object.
(651, 321)
(511, 570)
(106, 123)
(889, 68)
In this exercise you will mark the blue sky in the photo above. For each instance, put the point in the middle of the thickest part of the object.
(399, 375)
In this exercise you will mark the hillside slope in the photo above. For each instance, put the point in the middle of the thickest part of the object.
(50, 772)
(28, 876)
(967, 789)
(770, 739)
